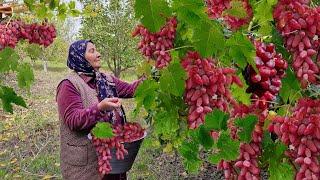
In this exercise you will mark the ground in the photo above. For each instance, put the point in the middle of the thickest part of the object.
(29, 138)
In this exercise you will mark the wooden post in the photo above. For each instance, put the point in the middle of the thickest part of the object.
(5, 11)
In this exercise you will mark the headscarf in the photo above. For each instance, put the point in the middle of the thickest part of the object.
(78, 63)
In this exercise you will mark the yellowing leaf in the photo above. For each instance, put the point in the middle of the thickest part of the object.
(168, 149)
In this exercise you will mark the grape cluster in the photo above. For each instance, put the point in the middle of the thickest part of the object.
(156, 45)
(123, 134)
(266, 84)
(207, 87)
(217, 7)
(300, 26)
(247, 162)
(13, 31)
(301, 132)
(39, 34)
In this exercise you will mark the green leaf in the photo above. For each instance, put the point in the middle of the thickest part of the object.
(53, 4)
(189, 151)
(290, 90)
(282, 170)
(208, 38)
(263, 15)
(239, 93)
(241, 50)
(25, 75)
(204, 137)
(172, 79)
(166, 124)
(146, 93)
(8, 60)
(190, 11)
(273, 155)
(102, 130)
(278, 42)
(228, 149)
(72, 5)
(216, 120)
(41, 11)
(152, 13)
(236, 10)
(246, 126)
(62, 9)
(9, 96)
(30, 4)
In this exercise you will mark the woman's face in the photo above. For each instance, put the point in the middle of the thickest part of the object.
(92, 56)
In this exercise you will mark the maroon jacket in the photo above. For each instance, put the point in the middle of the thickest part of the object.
(71, 108)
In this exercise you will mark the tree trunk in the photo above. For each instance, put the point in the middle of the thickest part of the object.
(117, 73)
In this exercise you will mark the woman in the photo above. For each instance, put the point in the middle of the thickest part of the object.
(85, 97)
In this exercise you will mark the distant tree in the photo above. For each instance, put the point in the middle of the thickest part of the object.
(110, 29)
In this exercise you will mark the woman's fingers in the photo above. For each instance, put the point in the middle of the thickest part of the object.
(113, 99)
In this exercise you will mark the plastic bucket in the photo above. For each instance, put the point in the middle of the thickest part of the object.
(124, 165)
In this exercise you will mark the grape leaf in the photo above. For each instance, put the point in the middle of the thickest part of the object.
(236, 10)
(53, 4)
(102, 130)
(9, 96)
(72, 4)
(228, 149)
(62, 9)
(189, 151)
(241, 50)
(152, 13)
(41, 11)
(263, 15)
(30, 4)
(166, 124)
(25, 75)
(216, 120)
(145, 93)
(208, 38)
(204, 137)
(246, 126)
(172, 79)
(190, 11)
(273, 154)
(280, 170)
(239, 93)
(278, 41)
(8, 60)
(290, 90)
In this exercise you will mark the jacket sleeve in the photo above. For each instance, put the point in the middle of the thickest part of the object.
(72, 110)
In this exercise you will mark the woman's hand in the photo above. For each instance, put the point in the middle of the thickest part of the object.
(109, 104)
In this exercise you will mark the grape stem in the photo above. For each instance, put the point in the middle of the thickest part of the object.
(8, 22)
(294, 166)
(178, 48)
(291, 32)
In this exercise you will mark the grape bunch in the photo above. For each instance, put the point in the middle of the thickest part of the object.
(156, 45)
(13, 31)
(207, 87)
(217, 7)
(123, 134)
(266, 84)
(39, 34)
(301, 132)
(300, 26)
(247, 162)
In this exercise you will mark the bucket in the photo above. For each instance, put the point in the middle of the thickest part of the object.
(124, 165)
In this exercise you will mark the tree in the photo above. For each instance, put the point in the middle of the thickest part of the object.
(110, 30)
